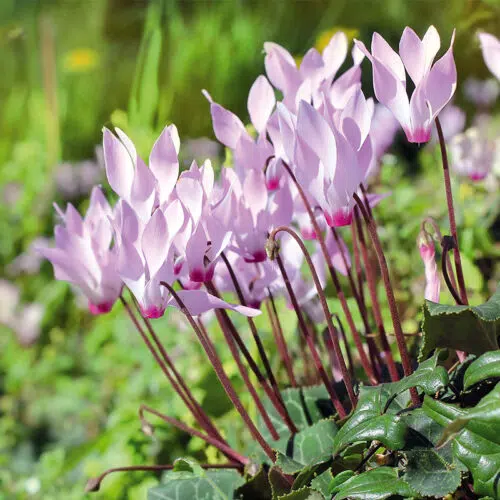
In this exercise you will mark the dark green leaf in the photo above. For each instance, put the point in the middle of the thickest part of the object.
(302, 494)
(472, 329)
(487, 410)
(279, 484)
(257, 486)
(338, 480)
(322, 482)
(484, 367)
(375, 484)
(429, 474)
(477, 445)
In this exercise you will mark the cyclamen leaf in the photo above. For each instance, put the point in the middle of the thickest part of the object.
(375, 484)
(484, 367)
(302, 494)
(189, 480)
(322, 482)
(473, 329)
(257, 486)
(487, 410)
(477, 445)
(429, 474)
(310, 446)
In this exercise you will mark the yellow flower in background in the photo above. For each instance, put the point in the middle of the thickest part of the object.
(325, 36)
(80, 60)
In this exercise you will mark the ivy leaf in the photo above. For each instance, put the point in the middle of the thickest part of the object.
(473, 329)
(429, 474)
(189, 480)
(484, 367)
(375, 484)
(487, 410)
(477, 445)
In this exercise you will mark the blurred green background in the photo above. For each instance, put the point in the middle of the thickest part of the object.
(71, 384)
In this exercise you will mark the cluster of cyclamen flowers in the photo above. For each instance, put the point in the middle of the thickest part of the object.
(181, 238)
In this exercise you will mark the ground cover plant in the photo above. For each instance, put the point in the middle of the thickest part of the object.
(350, 410)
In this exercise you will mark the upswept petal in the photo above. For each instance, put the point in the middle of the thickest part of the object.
(119, 164)
(142, 195)
(316, 132)
(281, 68)
(490, 46)
(382, 51)
(334, 54)
(261, 101)
(164, 163)
(228, 128)
(155, 242)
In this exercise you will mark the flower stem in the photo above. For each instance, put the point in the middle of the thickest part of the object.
(203, 416)
(309, 340)
(260, 347)
(336, 283)
(372, 290)
(448, 243)
(209, 427)
(279, 337)
(319, 289)
(393, 308)
(94, 483)
(232, 335)
(209, 348)
(451, 214)
(221, 446)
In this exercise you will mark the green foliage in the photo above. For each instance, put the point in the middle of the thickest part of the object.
(485, 367)
(375, 484)
(189, 480)
(451, 326)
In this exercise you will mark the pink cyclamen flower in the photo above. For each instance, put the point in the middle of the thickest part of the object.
(435, 83)
(82, 255)
(432, 281)
(490, 45)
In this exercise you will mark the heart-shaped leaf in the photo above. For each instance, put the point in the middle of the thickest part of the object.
(473, 329)
(484, 367)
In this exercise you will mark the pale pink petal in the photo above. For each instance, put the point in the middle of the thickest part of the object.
(316, 132)
(155, 242)
(334, 54)
(190, 192)
(281, 68)
(119, 164)
(413, 55)
(382, 51)
(441, 83)
(164, 163)
(228, 128)
(199, 301)
(490, 46)
(261, 101)
(142, 195)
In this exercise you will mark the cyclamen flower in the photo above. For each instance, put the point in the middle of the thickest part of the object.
(435, 83)
(82, 255)
(490, 45)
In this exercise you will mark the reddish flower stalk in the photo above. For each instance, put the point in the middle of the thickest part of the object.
(204, 423)
(448, 243)
(357, 261)
(396, 321)
(232, 335)
(179, 378)
(94, 483)
(451, 214)
(346, 342)
(209, 348)
(260, 347)
(280, 338)
(372, 290)
(326, 311)
(372, 348)
(336, 283)
(221, 446)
